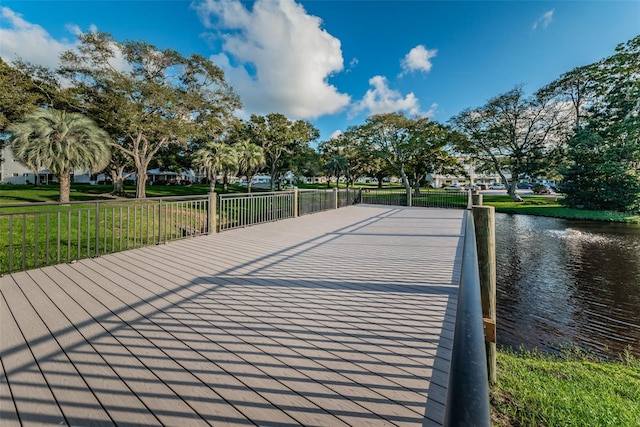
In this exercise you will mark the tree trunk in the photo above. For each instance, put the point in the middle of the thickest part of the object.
(141, 185)
(273, 177)
(118, 182)
(225, 182)
(249, 179)
(64, 178)
(416, 187)
(511, 191)
(405, 181)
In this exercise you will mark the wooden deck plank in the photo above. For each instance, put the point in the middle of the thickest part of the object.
(256, 407)
(178, 396)
(8, 410)
(76, 331)
(76, 401)
(340, 318)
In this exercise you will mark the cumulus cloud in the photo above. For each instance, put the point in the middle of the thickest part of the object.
(30, 42)
(418, 59)
(544, 20)
(276, 56)
(382, 99)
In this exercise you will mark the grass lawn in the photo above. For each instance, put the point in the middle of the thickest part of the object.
(10, 194)
(550, 206)
(535, 389)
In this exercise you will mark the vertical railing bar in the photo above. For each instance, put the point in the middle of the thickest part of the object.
(128, 226)
(105, 232)
(159, 221)
(88, 235)
(135, 226)
(59, 236)
(35, 239)
(24, 241)
(120, 230)
(79, 237)
(68, 236)
(97, 237)
(48, 240)
(148, 222)
(10, 264)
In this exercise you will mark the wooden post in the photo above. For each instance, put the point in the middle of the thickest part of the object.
(211, 213)
(484, 220)
(476, 198)
(295, 203)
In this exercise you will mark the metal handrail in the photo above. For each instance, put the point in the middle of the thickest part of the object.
(102, 201)
(467, 401)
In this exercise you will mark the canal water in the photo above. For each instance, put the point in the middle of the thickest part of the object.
(568, 283)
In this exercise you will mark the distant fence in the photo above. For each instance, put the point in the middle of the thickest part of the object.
(39, 234)
(241, 210)
(423, 198)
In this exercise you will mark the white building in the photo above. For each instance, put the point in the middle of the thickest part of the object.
(14, 172)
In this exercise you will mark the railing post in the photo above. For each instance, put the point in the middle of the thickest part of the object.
(484, 220)
(409, 198)
(476, 198)
(296, 199)
(335, 198)
(211, 213)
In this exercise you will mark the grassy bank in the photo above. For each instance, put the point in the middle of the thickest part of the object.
(550, 206)
(535, 389)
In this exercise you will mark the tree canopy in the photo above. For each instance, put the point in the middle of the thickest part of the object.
(515, 136)
(147, 98)
(60, 142)
(603, 156)
(278, 136)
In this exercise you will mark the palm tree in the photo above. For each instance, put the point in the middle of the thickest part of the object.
(213, 157)
(61, 142)
(250, 159)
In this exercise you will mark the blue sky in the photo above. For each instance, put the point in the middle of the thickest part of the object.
(335, 62)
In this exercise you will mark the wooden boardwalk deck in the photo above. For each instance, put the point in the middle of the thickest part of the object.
(339, 318)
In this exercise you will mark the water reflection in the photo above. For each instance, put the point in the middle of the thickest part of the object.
(568, 282)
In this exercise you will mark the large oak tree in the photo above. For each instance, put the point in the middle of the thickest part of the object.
(147, 98)
(515, 136)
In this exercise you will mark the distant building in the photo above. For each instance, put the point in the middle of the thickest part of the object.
(14, 172)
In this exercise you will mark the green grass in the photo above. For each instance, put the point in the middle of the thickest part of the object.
(535, 389)
(551, 207)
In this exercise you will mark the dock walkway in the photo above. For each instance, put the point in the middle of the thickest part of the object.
(344, 317)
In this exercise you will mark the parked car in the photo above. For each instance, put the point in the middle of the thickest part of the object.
(497, 187)
(453, 188)
(525, 185)
(482, 186)
(541, 189)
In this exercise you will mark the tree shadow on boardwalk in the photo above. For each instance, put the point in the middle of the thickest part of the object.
(314, 332)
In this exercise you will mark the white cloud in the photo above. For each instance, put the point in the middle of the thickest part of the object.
(544, 20)
(352, 64)
(335, 134)
(382, 99)
(276, 56)
(30, 42)
(418, 59)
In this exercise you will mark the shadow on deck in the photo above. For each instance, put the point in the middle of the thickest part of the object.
(340, 318)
